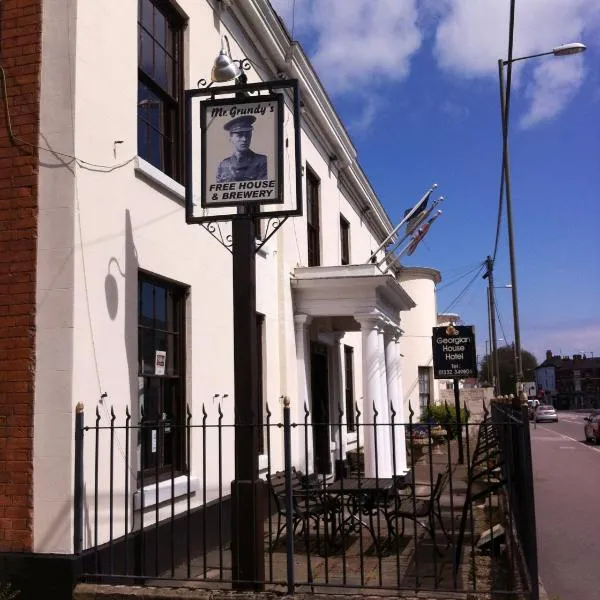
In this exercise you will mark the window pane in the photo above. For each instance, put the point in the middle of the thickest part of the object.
(147, 351)
(150, 126)
(146, 10)
(146, 304)
(146, 51)
(160, 308)
(160, 28)
(160, 67)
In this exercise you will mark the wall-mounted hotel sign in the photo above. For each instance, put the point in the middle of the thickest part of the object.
(454, 354)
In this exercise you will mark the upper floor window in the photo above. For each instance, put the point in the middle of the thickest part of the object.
(344, 241)
(160, 87)
(312, 219)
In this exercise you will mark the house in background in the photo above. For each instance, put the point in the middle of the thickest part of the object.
(569, 382)
(121, 309)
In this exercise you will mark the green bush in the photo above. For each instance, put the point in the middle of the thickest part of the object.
(7, 592)
(438, 414)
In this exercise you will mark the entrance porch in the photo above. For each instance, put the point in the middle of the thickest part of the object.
(330, 302)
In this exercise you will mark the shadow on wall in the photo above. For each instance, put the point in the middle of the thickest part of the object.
(128, 304)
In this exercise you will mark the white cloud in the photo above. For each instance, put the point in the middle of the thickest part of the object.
(554, 84)
(472, 36)
(360, 44)
(356, 42)
(369, 111)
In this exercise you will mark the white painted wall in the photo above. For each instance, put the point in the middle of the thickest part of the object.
(99, 226)
(417, 324)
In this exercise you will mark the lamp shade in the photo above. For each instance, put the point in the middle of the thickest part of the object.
(567, 49)
(225, 68)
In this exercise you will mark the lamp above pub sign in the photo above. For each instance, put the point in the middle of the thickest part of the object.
(454, 354)
(241, 151)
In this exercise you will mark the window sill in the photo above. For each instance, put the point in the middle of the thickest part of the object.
(156, 176)
(351, 438)
(167, 490)
(263, 462)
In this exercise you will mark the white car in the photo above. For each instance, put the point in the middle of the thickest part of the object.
(545, 412)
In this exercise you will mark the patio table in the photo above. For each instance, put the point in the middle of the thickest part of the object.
(361, 499)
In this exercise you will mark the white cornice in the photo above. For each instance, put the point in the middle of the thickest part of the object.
(406, 273)
(284, 54)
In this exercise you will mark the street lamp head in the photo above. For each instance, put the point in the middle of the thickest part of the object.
(566, 49)
(225, 68)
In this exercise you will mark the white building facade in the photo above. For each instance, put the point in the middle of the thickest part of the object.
(123, 283)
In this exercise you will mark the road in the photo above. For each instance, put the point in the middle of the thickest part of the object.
(567, 494)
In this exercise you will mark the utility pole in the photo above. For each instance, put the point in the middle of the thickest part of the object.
(492, 320)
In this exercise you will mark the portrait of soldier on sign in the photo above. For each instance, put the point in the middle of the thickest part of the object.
(243, 164)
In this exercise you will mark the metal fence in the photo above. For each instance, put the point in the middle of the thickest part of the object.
(332, 520)
(511, 426)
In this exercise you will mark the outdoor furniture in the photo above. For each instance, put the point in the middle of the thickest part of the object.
(356, 463)
(309, 502)
(423, 511)
(363, 501)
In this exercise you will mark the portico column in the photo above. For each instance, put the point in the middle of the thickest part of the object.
(304, 443)
(383, 429)
(338, 405)
(371, 385)
(394, 386)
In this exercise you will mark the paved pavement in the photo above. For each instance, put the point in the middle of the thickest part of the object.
(567, 490)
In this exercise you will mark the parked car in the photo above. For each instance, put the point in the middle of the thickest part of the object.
(592, 427)
(545, 412)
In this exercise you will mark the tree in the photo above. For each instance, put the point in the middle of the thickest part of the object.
(506, 363)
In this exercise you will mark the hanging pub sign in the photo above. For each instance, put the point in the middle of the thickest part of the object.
(454, 355)
(241, 151)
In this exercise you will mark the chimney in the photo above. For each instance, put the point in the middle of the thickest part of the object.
(548, 354)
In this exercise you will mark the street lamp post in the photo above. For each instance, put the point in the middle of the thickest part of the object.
(564, 50)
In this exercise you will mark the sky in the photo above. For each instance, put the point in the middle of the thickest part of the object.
(416, 83)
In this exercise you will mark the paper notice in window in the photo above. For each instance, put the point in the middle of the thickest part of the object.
(160, 361)
(154, 432)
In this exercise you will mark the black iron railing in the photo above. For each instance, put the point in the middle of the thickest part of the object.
(344, 510)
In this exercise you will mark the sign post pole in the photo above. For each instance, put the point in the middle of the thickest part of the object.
(461, 455)
(219, 140)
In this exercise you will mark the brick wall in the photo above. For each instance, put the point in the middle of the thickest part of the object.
(20, 57)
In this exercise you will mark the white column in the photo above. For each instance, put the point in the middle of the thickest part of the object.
(304, 444)
(383, 430)
(338, 403)
(394, 387)
(371, 385)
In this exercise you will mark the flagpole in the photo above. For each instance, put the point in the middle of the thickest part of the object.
(406, 217)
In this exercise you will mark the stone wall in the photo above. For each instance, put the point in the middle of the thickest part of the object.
(105, 592)
(472, 397)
